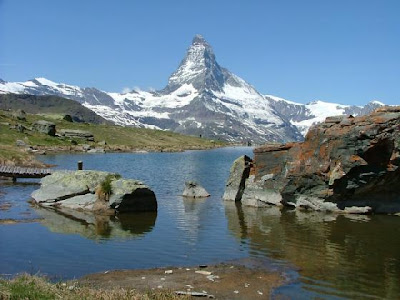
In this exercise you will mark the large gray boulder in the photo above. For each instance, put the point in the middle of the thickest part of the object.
(236, 182)
(45, 127)
(194, 190)
(82, 190)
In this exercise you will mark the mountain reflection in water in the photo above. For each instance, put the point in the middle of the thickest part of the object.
(92, 226)
(335, 254)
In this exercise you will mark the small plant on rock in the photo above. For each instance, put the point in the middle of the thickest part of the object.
(104, 190)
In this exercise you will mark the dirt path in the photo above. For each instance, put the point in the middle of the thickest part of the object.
(222, 281)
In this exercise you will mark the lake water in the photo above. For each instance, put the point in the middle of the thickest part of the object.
(324, 256)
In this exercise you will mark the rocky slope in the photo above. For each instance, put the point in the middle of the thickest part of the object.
(348, 164)
(50, 105)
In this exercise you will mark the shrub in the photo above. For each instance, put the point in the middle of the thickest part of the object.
(104, 190)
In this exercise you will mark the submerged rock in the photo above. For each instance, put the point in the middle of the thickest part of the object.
(193, 189)
(81, 190)
(347, 164)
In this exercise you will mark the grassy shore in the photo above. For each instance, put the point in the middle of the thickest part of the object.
(35, 287)
(116, 138)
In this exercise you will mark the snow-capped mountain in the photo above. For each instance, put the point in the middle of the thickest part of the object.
(201, 98)
(303, 116)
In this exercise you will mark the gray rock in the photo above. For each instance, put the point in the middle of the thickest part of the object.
(83, 202)
(80, 134)
(335, 119)
(258, 196)
(97, 150)
(20, 115)
(63, 185)
(193, 189)
(236, 182)
(76, 190)
(20, 143)
(358, 210)
(20, 128)
(132, 195)
(45, 127)
(86, 147)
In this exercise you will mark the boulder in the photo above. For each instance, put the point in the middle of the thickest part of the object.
(96, 150)
(131, 195)
(347, 164)
(238, 174)
(45, 127)
(20, 115)
(20, 143)
(68, 118)
(194, 190)
(20, 128)
(80, 134)
(77, 190)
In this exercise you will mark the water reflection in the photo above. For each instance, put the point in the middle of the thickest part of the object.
(88, 225)
(340, 255)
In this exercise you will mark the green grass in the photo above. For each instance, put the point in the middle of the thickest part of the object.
(118, 138)
(39, 288)
(135, 138)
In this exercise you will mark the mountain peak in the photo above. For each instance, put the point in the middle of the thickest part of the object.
(198, 68)
(199, 40)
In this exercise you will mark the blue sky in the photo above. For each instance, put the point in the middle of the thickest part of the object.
(344, 51)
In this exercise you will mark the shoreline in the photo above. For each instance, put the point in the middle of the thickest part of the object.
(30, 158)
(220, 281)
(227, 280)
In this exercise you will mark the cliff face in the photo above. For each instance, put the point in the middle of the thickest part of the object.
(346, 163)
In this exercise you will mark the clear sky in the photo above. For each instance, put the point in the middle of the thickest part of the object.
(344, 51)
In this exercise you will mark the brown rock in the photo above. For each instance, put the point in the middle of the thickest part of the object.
(345, 162)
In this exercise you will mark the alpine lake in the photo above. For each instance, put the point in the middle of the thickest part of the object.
(322, 256)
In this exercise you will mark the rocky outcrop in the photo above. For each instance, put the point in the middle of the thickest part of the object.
(84, 190)
(45, 127)
(347, 164)
(194, 190)
(80, 134)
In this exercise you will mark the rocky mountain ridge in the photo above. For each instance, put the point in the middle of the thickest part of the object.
(201, 98)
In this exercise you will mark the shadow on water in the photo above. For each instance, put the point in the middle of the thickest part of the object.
(92, 226)
(343, 256)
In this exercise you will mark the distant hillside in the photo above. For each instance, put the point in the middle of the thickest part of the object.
(50, 105)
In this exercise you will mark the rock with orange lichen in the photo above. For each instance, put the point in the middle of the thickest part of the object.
(344, 162)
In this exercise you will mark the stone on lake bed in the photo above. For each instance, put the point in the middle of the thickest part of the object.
(194, 190)
(77, 190)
